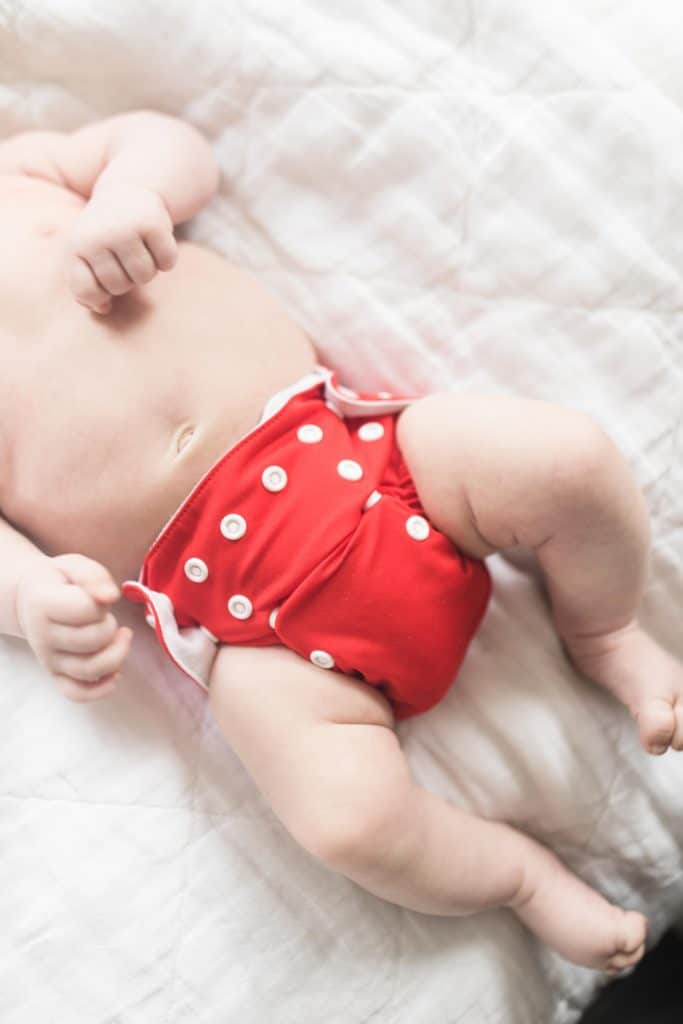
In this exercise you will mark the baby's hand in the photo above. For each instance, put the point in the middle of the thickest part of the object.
(120, 240)
(64, 617)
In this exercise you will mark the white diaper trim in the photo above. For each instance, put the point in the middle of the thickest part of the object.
(339, 398)
(190, 648)
(280, 398)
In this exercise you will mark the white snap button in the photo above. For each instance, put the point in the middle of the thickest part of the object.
(196, 570)
(310, 433)
(371, 431)
(233, 526)
(274, 478)
(372, 500)
(417, 527)
(240, 606)
(272, 618)
(349, 470)
(322, 659)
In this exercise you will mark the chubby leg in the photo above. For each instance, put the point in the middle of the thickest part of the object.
(322, 749)
(495, 472)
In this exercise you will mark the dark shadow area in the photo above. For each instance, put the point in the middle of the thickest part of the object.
(653, 994)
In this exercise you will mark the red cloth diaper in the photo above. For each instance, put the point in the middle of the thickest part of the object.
(309, 533)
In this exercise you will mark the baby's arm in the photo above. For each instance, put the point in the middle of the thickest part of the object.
(19, 558)
(60, 606)
(141, 172)
(140, 148)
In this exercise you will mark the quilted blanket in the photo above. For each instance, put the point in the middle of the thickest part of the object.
(479, 194)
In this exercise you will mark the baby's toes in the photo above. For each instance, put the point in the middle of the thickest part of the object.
(630, 943)
(658, 724)
(622, 961)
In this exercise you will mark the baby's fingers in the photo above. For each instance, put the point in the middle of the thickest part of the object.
(163, 247)
(63, 604)
(90, 575)
(86, 288)
(83, 693)
(109, 273)
(136, 260)
(88, 639)
(84, 669)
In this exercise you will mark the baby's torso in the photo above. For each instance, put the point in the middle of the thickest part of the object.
(107, 423)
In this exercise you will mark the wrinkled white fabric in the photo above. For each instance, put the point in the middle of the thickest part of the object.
(479, 195)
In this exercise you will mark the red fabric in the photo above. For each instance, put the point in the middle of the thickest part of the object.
(392, 610)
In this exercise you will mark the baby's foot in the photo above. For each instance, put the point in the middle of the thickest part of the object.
(576, 921)
(642, 676)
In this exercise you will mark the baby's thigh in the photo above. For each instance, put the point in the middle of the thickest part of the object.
(486, 467)
(442, 439)
(319, 745)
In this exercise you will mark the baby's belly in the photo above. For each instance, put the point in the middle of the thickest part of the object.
(106, 489)
(108, 423)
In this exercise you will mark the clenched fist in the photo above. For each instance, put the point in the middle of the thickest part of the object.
(123, 237)
(64, 616)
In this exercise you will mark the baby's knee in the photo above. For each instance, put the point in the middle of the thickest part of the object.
(590, 475)
(585, 456)
(361, 834)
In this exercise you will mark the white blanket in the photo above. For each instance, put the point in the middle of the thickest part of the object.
(480, 194)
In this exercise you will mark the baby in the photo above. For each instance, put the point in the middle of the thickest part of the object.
(311, 556)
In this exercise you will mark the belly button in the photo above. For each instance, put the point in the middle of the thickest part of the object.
(184, 438)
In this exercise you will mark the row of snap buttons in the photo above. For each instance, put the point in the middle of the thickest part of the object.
(240, 606)
(348, 469)
(274, 478)
(311, 433)
(197, 570)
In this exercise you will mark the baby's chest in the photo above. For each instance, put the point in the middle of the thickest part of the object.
(36, 218)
